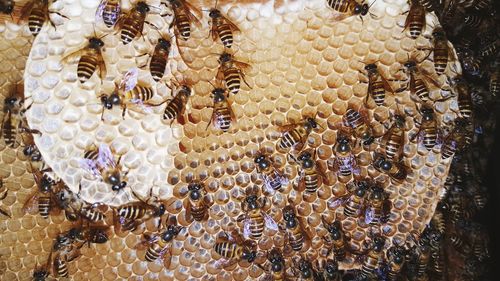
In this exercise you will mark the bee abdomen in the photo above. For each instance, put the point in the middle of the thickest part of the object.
(142, 93)
(421, 90)
(296, 238)
(109, 14)
(350, 211)
(378, 93)
(312, 182)
(157, 67)
(183, 26)
(173, 107)
(429, 140)
(440, 57)
(86, 67)
(61, 267)
(256, 225)
(225, 34)
(368, 267)
(222, 118)
(153, 253)
(44, 205)
(341, 6)
(393, 145)
(129, 31)
(36, 21)
(92, 215)
(289, 139)
(232, 78)
(198, 212)
(9, 133)
(91, 154)
(448, 149)
(131, 212)
(225, 249)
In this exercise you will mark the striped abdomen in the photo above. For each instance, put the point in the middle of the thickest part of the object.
(416, 20)
(430, 137)
(111, 12)
(440, 55)
(225, 33)
(87, 66)
(198, 209)
(423, 262)
(339, 249)
(174, 107)
(311, 180)
(394, 143)
(155, 250)
(377, 90)
(495, 82)
(228, 250)
(393, 271)
(91, 154)
(132, 27)
(464, 103)
(61, 267)
(222, 116)
(345, 163)
(44, 204)
(353, 118)
(353, 207)
(419, 86)
(292, 137)
(140, 93)
(36, 20)
(295, 237)
(341, 6)
(448, 148)
(232, 79)
(158, 63)
(8, 130)
(132, 211)
(92, 215)
(437, 261)
(256, 224)
(371, 263)
(183, 25)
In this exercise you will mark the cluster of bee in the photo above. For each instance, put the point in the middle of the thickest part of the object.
(421, 256)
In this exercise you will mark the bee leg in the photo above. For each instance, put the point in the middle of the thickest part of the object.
(4, 195)
(123, 111)
(242, 75)
(57, 13)
(4, 213)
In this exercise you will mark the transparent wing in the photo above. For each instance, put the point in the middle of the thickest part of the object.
(90, 166)
(100, 10)
(141, 105)
(369, 215)
(129, 79)
(270, 223)
(246, 229)
(105, 158)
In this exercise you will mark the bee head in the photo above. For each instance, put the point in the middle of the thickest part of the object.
(427, 113)
(361, 9)
(410, 64)
(161, 210)
(164, 44)
(371, 68)
(251, 201)
(10, 101)
(214, 13)
(275, 258)
(143, 8)
(218, 94)
(100, 237)
(46, 184)
(288, 213)
(385, 165)
(250, 256)
(195, 191)
(331, 267)
(304, 156)
(8, 9)
(378, 243)
(377, 193)
(399, 120)
(28, 150)
(225, 57)
(260, 159)
(361, 191)
(311, 122)
(367, 138)
(96, 43)
(438, 33)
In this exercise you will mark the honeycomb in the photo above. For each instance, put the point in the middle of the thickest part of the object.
(304, 63)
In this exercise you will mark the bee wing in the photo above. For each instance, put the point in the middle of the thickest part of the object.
(26, 10)
(386, 84)
(72, 56)
(268, 186)
(129, 80)
(286, 128)
(335, 203)
(369, 215)
(301, 186)
(143, 107)
(105, 158)
(100, 10)
(426, 76)
(90, 166)
(246, 228)
(31, 205)
(190, 11)
(166, 254)
(337, 16)
(322, 173)
(270, 223)
(233, 26)
(146, 240)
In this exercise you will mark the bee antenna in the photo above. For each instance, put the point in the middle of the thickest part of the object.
(372, 4)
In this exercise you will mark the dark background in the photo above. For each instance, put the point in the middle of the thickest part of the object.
(491, 214)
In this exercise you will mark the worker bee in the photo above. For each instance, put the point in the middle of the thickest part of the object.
(304, 269)
(159, 58)
(232, 72)
(396, 258)
(415, 21)
(13, 115)
(30, 149)
(7, 7)
(131, 24)
(159, 244)
(253, 217)
(297, 236)
(91, 58)
(184, 15)
(418, 81)
(396, 170)
(354, 199)
(441, 48)
(456, 140)
(232, 248)
(61, 261)
(197, 203)
(222, 115)
(42, 272)
(377, 85)
(75, 208)
(394, 139)
(373, 257)
(222, 27)
(42, 200)
(419, 258)
(96, 234)
(358, 122)
(464, 97)
(428, 130)
(312, 174)
(176, 107)
(128, 94)
(295, 135)
(2, 211)
(348, 8)
(327, 270)
(275, 270)
(101, 164)
(344, 162)
(274, 179)
(37, 12)
(378, 206)
(337, 239)
(109, 11)
(129, 216)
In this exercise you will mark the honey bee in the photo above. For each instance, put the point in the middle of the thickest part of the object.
(3, 212)
(131, 24)
(276, 270)
(419, 259)
(222, 115)
(377, 85)
(129, 216)
(42, 200)
(303, 269)
(96, 234)
(232, 72)
(101, 164)
(354, 199)
(198, 202)
(328, 271)
(441, 48)
(159, 58)
(128, 94)
(42, 272)
(7, 7)
(428, 130)
(337, 238)
(30, 149)
(65, 252)
(109, 11)
(184, 15)
(222, 27)
(159, 244)
(75, 208)
(464, 97)
(418, 81)
(91, 58)
(456, 140)
(312, 174)
(378, 206)
(358, 121)
(254, 218)
(396, 170)
(396, 256)
(394, 139)
(274, 179)
(373, 258)
(13, 115)
(37, 12)
(176, 107)
(297, 236)
(415, 21)
(232, 248)
(344, 163)
(348, 8)
(295, 135)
